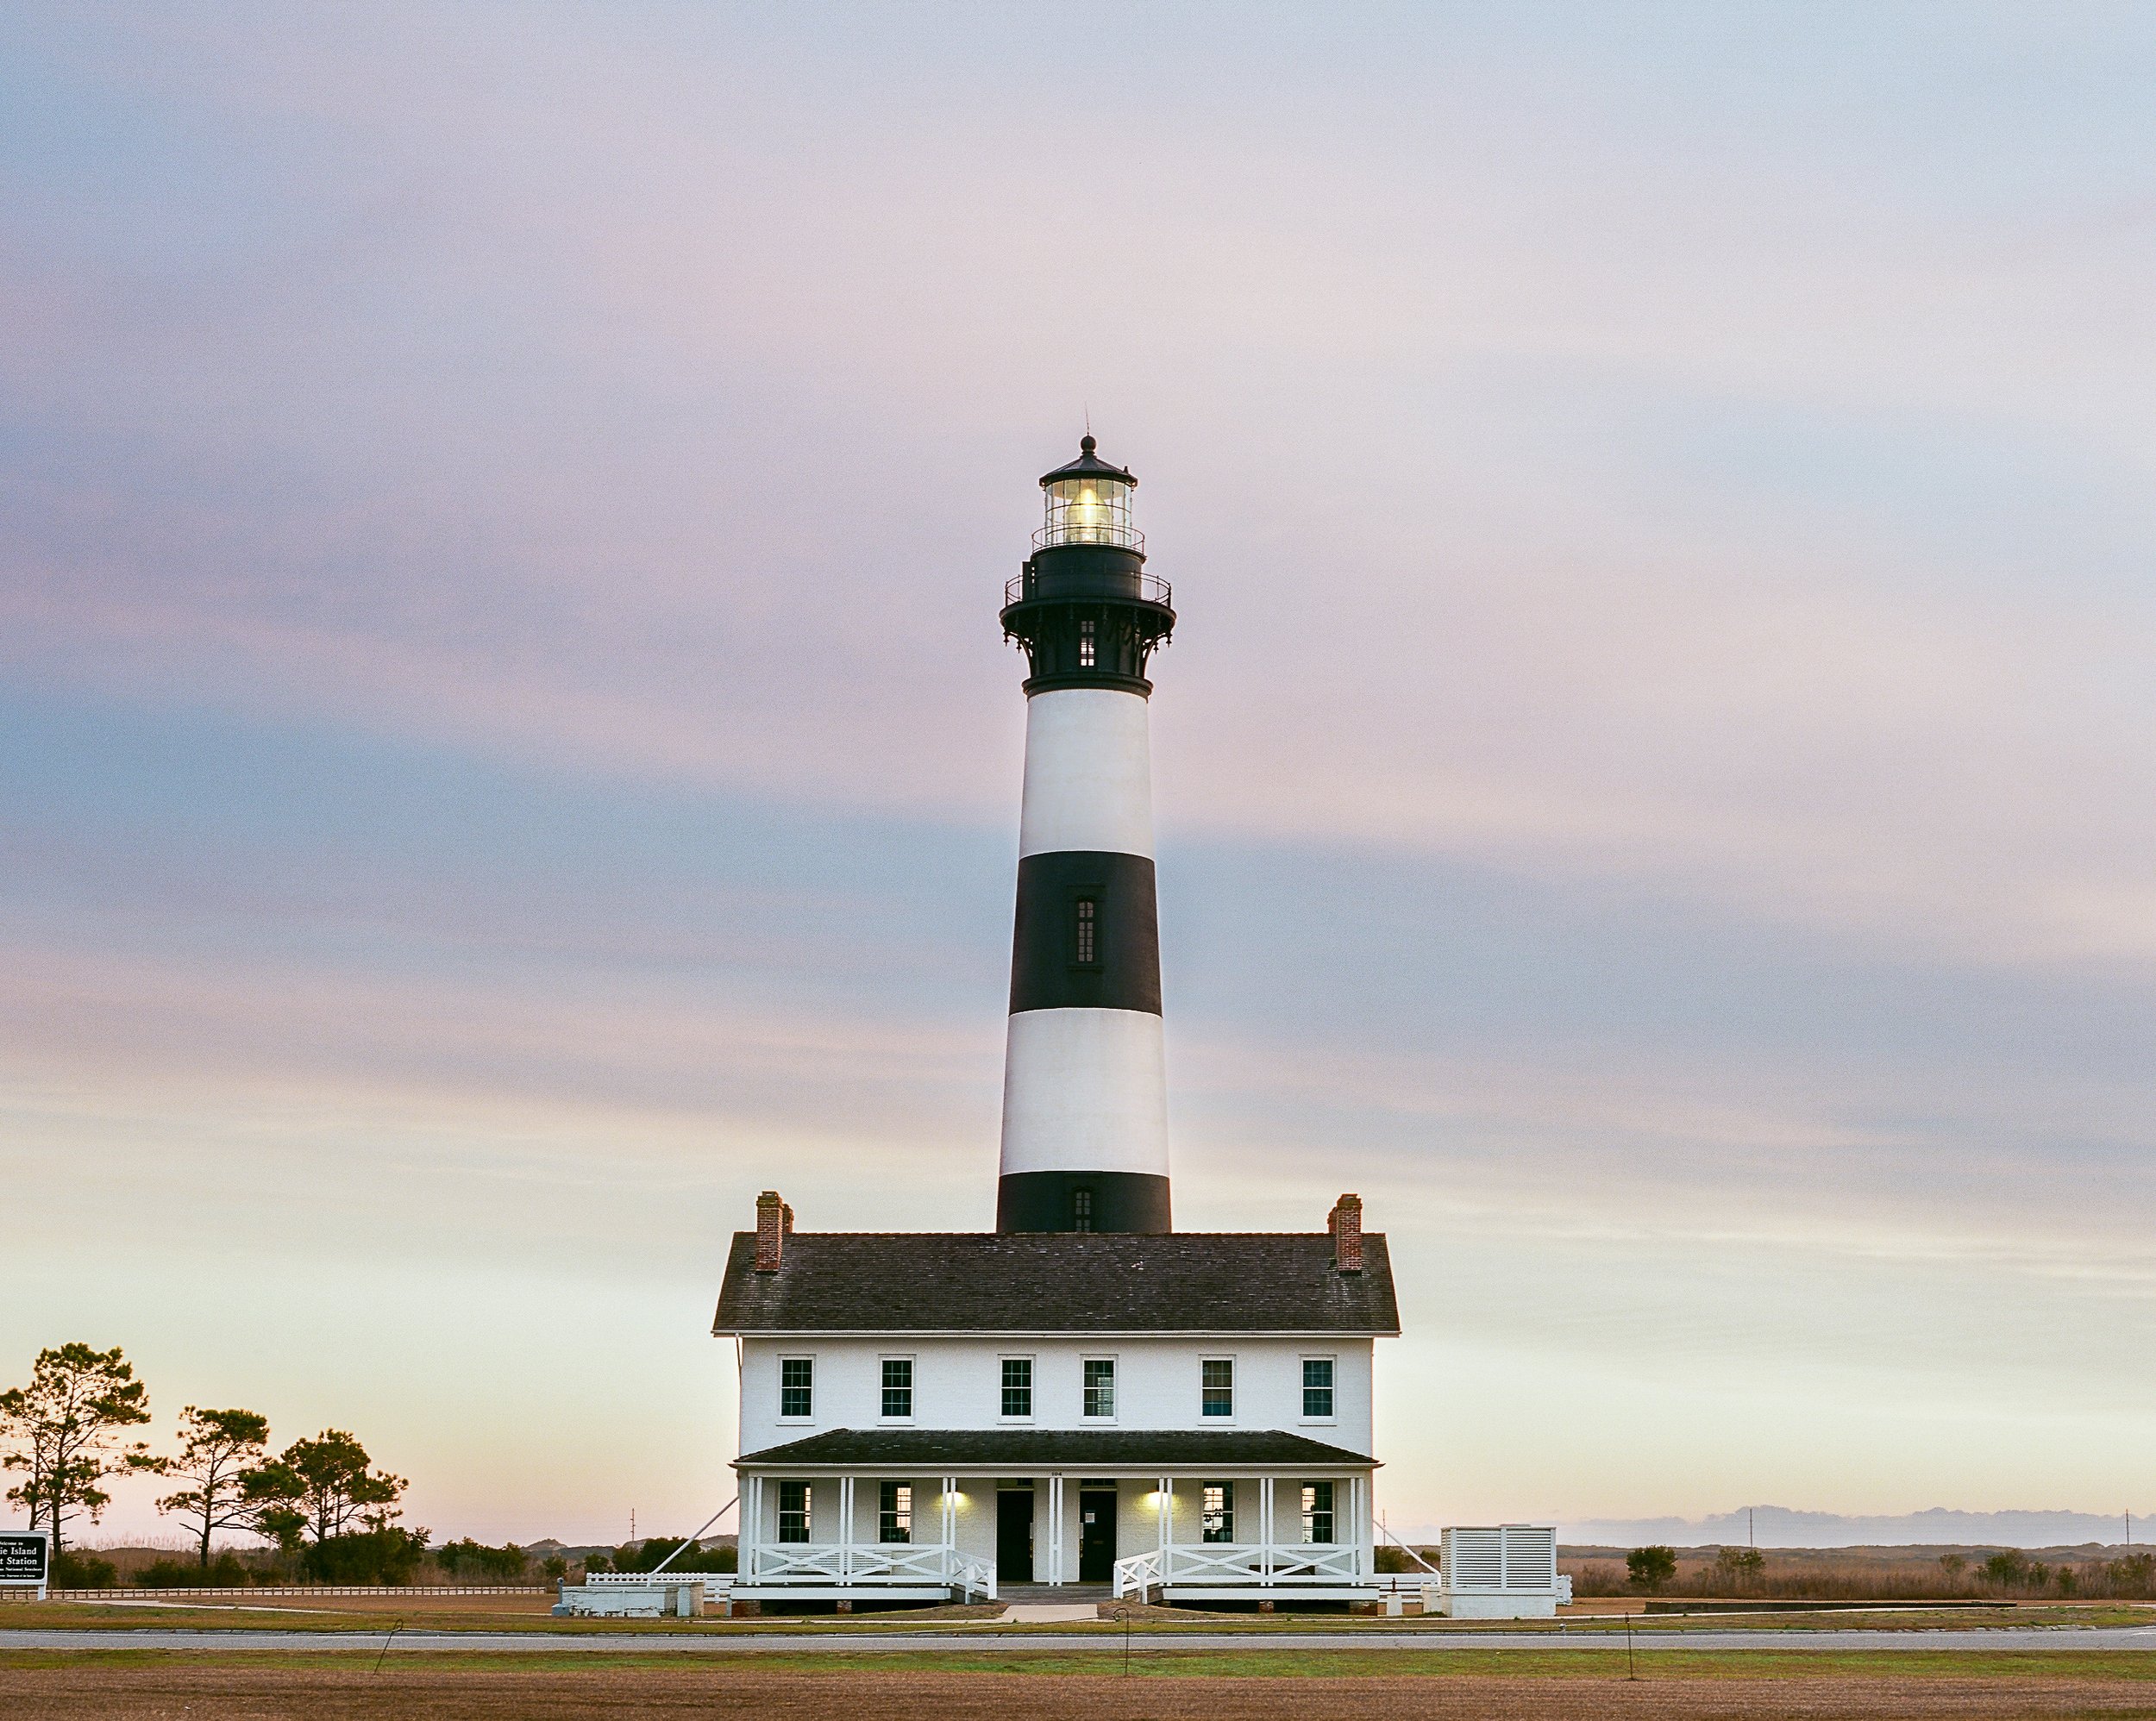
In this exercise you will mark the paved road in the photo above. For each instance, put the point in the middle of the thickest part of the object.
(809, 1641)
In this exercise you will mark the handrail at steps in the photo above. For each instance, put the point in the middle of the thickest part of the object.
(1385, 1532)
(1139, 1572)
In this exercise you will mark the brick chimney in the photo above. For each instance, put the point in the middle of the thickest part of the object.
(774, 1223)
(1345, 1223)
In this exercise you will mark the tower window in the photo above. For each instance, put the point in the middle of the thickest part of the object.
(1081, 1210)
(1085, 932)
(794, 1512)
(1087, 641)
(894, 1511)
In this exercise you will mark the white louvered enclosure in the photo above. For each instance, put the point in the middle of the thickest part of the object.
(1505, 1571)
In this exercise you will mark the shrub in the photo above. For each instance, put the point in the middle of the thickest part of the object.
(646, 1556)
(388, 1555)
(2009, 1568)
(225, 1572)
(2134, 1575)
(555, 1566)
(1650, 1568)
(467, 1558)
(82, 1572)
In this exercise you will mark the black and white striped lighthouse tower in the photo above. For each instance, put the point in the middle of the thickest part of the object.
(1085, 1102)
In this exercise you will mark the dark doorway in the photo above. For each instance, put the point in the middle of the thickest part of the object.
(1014, 1536)
(1096, 1535)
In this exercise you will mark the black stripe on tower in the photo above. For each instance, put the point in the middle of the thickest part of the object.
(1086, 935)
(1083, 1201)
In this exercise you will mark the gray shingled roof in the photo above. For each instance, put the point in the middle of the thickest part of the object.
(1059, 1281)
(1019, 1449)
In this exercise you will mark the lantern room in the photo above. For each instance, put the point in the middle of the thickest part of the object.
(1088, 502)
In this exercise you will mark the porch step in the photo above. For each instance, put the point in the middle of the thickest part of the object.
(1055, 1593)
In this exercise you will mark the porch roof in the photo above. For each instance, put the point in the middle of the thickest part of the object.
(1015, 1449)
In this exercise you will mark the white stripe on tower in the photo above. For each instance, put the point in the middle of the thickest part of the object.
(1088, 772)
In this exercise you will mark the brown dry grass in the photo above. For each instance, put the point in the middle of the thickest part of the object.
(153, 1691)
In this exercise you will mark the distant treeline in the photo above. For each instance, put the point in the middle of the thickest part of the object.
(322, 1509)
(1868, 1574)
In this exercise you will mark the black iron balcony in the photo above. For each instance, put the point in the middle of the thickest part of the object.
(1128, 583)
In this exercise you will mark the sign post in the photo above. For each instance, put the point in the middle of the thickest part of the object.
(26, 1559)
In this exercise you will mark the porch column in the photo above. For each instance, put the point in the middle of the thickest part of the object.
(745, 1525)
(845, 1527)
(1265, 1527)
(1167, 1523)
(1056, 1529)
(1365, 1530)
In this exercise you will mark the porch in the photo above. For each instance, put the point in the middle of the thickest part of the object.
(1255, 1516)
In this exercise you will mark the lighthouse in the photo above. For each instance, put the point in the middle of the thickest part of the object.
(1085, 1103)
(1084, 1396)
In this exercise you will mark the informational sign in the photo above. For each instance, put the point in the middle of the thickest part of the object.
(24, 1556)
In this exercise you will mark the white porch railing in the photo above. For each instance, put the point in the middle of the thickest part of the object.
(1261, 1564)
(869, 1564)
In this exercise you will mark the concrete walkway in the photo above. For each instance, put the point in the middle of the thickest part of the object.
(996, 1638)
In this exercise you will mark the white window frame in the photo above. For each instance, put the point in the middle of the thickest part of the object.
(1306, 1517)
(808, 1510)
(1318, 1422)
(1032, 1386)
(1115, 1388)
(808, 1357)
(912, 1387)
(894, 1483)
(1204, 1421)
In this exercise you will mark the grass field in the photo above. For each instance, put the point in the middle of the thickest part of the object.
(1258, 1683)
(530, 1613)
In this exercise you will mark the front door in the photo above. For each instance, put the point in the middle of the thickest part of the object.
(1096, 1535)
(1014, 1536)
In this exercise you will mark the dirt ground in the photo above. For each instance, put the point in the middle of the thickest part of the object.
(172, 1689)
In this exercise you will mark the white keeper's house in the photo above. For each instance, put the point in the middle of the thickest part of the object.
(1084, 1396)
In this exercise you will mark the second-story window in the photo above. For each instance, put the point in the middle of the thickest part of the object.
(1216, 1387)
(797, 1385)
(1218, 1517)
(1099, 1377)
(1017, 1385)
(1317, 1388)
(794, 1512)
(1089, 643)
(898, 1386)
(894, 1511)
(1085, 932)
(1081, 1210)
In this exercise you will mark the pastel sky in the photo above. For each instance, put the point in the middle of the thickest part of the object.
(505, 749)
